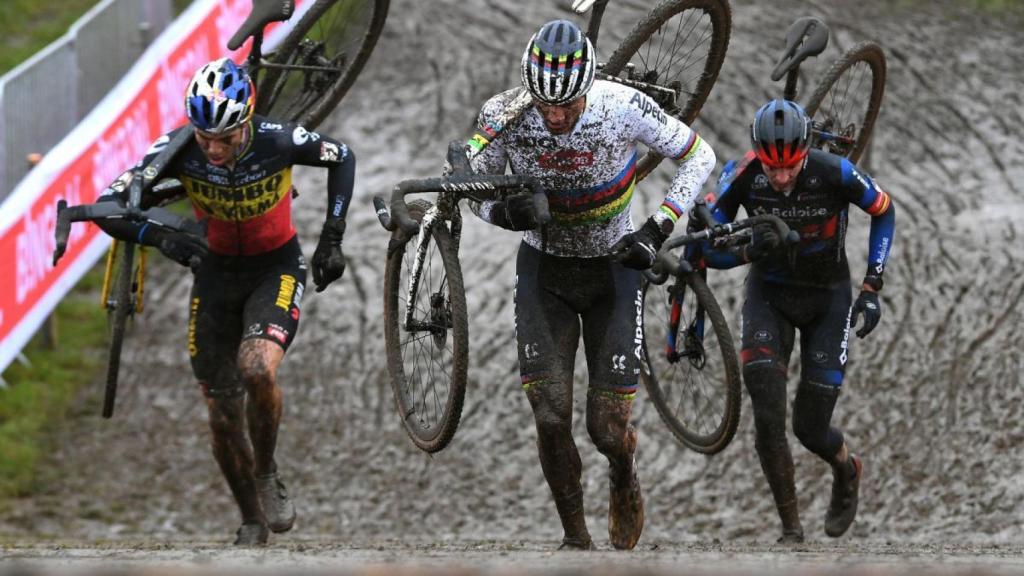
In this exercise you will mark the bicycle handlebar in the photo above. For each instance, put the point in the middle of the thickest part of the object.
(673, 265)
(109, 210)
(462, 182)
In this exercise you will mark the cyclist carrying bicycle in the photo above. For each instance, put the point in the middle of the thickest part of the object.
(808, 290)
(581, 275)
(250, 278)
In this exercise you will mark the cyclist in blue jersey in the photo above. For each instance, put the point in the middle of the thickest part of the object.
(250, 273)
(581, 276)
(805, 288)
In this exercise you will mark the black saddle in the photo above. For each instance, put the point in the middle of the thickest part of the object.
(263, 12)
(805, 38)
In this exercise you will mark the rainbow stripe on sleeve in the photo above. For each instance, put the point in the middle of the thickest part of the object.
(690, 147)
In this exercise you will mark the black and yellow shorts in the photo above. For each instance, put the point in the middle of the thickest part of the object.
(237, 298)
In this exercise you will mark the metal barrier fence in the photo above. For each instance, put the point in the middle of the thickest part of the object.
(45, 97)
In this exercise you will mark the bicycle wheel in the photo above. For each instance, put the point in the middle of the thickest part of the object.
(427, 358)
(337, 37)
(680, 45)
(119, 308)
(695, 383)
(843, 105)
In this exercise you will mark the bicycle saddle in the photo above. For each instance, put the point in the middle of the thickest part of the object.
(805, 38)
(263, 12)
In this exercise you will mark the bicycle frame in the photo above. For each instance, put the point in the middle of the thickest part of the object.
(444, 210)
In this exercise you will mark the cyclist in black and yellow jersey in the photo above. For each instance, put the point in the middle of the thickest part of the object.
(245, 302)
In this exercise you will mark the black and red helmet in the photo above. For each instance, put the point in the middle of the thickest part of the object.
(781, 134)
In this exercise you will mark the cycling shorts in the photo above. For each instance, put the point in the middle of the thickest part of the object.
(557, 299)
(238, 298)
(772, 313)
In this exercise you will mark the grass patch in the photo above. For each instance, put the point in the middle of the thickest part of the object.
(26, 26)
(39, 394)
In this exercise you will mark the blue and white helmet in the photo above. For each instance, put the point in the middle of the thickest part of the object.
(220, 97)
(559, 63)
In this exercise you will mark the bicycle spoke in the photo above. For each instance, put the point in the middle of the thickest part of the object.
(671, 62)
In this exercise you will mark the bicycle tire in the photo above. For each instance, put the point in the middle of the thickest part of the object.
(718, 379)
(872, 57)
(304, 97)
(412, 375)
(648, 29)
(118, 311)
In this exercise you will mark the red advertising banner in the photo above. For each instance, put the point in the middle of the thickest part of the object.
(146, 103)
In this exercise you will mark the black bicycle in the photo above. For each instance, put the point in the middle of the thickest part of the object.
(301, 81)
(690, 368)
(425, 323)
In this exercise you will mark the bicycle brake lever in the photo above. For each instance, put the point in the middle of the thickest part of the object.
(62, 230)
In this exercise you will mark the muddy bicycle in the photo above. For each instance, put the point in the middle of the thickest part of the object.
(691, 372)
(301, 81)
(845, 103)
(673, 55)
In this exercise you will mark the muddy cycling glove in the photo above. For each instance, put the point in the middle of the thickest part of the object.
(328, 258)
(763, 240)
(637, 250)
(867, 304)
(515, 213)
(183, 248)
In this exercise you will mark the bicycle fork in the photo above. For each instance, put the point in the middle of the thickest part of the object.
(438, 321)
(693, 338)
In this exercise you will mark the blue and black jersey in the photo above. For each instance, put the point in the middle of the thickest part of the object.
(817, 207)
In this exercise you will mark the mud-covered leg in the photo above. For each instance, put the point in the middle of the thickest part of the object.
(559, 457)
(547, 334)
(231, 449)
(258, 362)
(767, 388)
(767, 343)
(613, 338)
(608, 424)
(825, 346)
(271, 318)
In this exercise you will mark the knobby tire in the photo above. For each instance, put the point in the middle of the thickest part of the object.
(660, 386)
(307, 98)
(696, 91)
(832, 109)
(417, 379)
(117, 320)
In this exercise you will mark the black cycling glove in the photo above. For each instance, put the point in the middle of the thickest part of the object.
(515, 213)
(867, 303)
(328, 258)
(183, 248)
(763, 240)
(637, 250)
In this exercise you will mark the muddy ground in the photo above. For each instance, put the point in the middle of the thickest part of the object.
(932, 400)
